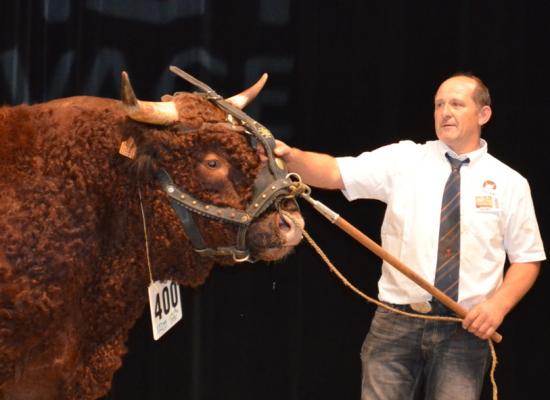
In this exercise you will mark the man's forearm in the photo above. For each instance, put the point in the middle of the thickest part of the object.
(519, 278)
(316, 169)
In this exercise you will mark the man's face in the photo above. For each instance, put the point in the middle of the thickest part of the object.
(458, 119)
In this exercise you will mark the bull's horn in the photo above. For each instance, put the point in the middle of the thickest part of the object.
(156, 113)
(244, 98)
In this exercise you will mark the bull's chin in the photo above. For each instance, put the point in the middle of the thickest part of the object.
(274, 254)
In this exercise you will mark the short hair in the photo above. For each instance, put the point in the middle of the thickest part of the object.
(481, 95)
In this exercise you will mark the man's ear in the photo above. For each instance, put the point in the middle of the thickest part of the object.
(484, 115)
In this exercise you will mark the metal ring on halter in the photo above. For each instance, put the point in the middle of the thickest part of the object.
(298, 187)
(245, 258)
(307, 191)
(294, 177)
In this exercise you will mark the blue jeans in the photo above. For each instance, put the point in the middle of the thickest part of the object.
(405, 356)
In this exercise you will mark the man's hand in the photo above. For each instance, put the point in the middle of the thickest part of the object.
(281, 150)
(484, 319)
(316, 169)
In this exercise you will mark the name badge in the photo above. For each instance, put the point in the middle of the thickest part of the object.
(485, 202)
(487, 199)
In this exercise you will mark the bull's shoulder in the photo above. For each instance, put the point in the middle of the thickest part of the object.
(58, 110)
(41, 136)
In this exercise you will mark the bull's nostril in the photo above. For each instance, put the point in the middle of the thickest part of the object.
(283, 224)
(289, 205)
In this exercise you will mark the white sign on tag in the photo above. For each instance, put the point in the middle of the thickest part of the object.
(165, 306)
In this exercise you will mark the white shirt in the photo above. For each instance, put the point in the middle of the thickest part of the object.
(497, 216)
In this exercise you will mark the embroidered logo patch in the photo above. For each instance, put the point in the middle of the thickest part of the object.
(489, 185)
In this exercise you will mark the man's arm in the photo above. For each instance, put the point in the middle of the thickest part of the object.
(485, 318)
(316, 169)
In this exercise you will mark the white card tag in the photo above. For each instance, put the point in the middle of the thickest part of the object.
(165, 306)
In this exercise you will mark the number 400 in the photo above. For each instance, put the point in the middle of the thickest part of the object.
(169, 299)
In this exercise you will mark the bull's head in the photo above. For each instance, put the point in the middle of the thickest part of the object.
(208, 166)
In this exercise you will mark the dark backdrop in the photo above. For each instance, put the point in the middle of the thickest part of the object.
(344, 77)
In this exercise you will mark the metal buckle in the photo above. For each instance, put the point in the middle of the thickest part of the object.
(423, 307)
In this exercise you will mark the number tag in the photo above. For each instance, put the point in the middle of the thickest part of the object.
(165, 306)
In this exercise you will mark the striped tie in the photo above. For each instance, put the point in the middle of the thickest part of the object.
(448, 254)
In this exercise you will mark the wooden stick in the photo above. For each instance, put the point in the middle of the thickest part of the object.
(390, 259)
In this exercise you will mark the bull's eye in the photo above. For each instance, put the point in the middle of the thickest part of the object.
(212, 164)
(213, 171)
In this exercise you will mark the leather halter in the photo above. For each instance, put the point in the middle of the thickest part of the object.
(272, 184)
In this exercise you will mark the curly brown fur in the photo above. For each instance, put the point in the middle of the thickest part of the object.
(73, 274)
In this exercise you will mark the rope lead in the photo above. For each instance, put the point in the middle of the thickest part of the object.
(299, 188)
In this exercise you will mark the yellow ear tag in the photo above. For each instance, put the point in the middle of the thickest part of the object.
(128, 148)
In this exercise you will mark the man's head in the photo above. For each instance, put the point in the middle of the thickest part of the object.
(462, 107)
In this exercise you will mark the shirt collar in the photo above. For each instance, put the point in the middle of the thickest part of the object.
(474, 156)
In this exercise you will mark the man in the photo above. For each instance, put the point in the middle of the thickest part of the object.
(453, 214)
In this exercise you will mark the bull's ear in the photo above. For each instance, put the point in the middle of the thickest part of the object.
(156, 113)
(244, 98)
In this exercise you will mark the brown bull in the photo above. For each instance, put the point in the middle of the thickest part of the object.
(73, 270)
